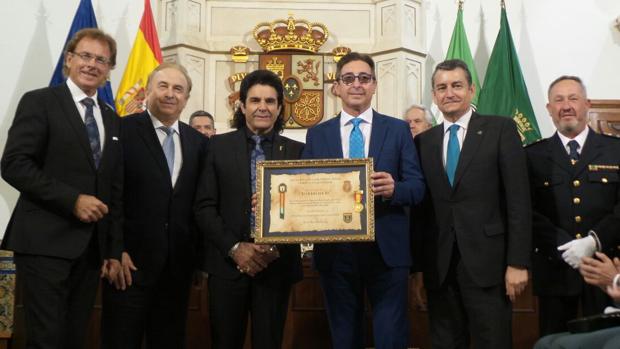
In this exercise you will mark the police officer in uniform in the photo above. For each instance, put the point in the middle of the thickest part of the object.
(576, 211)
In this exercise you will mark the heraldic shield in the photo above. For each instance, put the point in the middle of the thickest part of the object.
(302, 78)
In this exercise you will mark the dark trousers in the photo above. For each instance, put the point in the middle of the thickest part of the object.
(360, 267)
(264, 299)
(461, 312)
(154, 309)
(58, 298)
(555, 311)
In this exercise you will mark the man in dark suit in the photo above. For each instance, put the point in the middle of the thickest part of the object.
(576, 204)
(381, 267)
(163, 160)
(245, 277)
(475, 260)
(64, 156)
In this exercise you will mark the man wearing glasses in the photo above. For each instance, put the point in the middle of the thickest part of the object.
(381, 267)
(63, 155)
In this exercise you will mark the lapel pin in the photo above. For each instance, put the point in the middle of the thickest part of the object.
(281, 148)
(480, 132)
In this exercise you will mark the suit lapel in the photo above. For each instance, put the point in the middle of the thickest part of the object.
(187, 152)
(242, 160)
(378, 134)
(75, 120)
(436, 135)
(279, 148)
(591, 149)
(558, 154)
(149, 137)
(107, 115)
(333, 138)
(473, 138)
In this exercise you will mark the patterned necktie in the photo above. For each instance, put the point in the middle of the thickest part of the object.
(573, 153)
(453, 153)
(257, 155)
(92, 130)
(356, 140)
(168, 147)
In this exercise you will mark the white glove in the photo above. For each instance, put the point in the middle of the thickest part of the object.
(575, 250)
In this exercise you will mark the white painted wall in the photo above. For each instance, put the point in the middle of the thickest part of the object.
(552, 37)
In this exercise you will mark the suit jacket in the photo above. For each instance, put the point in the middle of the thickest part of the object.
(224, 203)
(487, 212)
(561, 192)
(159, 225)
(392, 150)
(48, 159)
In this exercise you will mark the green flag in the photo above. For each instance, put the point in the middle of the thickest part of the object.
(459, 49)
(504, 90)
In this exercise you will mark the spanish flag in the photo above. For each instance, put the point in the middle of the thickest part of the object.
(144, 57)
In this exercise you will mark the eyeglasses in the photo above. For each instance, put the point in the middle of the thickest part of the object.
(364, 78)
(87, 57)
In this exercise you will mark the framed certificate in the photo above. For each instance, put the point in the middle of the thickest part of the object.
(314, 201)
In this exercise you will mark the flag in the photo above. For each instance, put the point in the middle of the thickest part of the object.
(84, 18)
(144, 57)
(459, 49)
(505, 92)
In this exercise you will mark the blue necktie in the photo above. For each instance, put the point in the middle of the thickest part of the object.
(573, 154)
(92, 130)
(168, 147)
(356, 140)
(257, 155)
(452, 156)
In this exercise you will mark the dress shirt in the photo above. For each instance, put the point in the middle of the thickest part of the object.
(78, 95)
(346, 126)
(178, 154)
(463, 123)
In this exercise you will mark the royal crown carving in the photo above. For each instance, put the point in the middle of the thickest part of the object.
(290, 34)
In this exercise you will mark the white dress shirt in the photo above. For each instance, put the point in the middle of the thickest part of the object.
(178, 155)
(346, 126)
(78, 95)
(463, 123)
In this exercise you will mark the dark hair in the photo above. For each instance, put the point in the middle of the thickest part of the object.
(260, 77)
(201, 113)
(354, 56)
(91, 33)
(174, 66)
(452, 64)
(568, 77)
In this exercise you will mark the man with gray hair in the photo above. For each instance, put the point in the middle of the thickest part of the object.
(419, 119)
(575, 205)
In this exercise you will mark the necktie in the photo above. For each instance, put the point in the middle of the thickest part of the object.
(92, 130)
(257, 155)
(168, 147)
(453, 153)
(356, 140)
(573, 153)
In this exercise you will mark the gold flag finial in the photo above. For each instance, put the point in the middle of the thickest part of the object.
(461, 4)
(503, 4)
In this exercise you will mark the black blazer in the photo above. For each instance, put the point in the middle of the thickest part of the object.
(557, 201)
(487, 213)
(159, 225)
(48, 159)
(224, 204)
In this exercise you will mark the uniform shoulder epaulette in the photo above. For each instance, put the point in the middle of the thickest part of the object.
(535, 142)
(612, 135)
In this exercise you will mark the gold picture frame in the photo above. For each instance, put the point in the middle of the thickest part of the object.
(314, 201)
